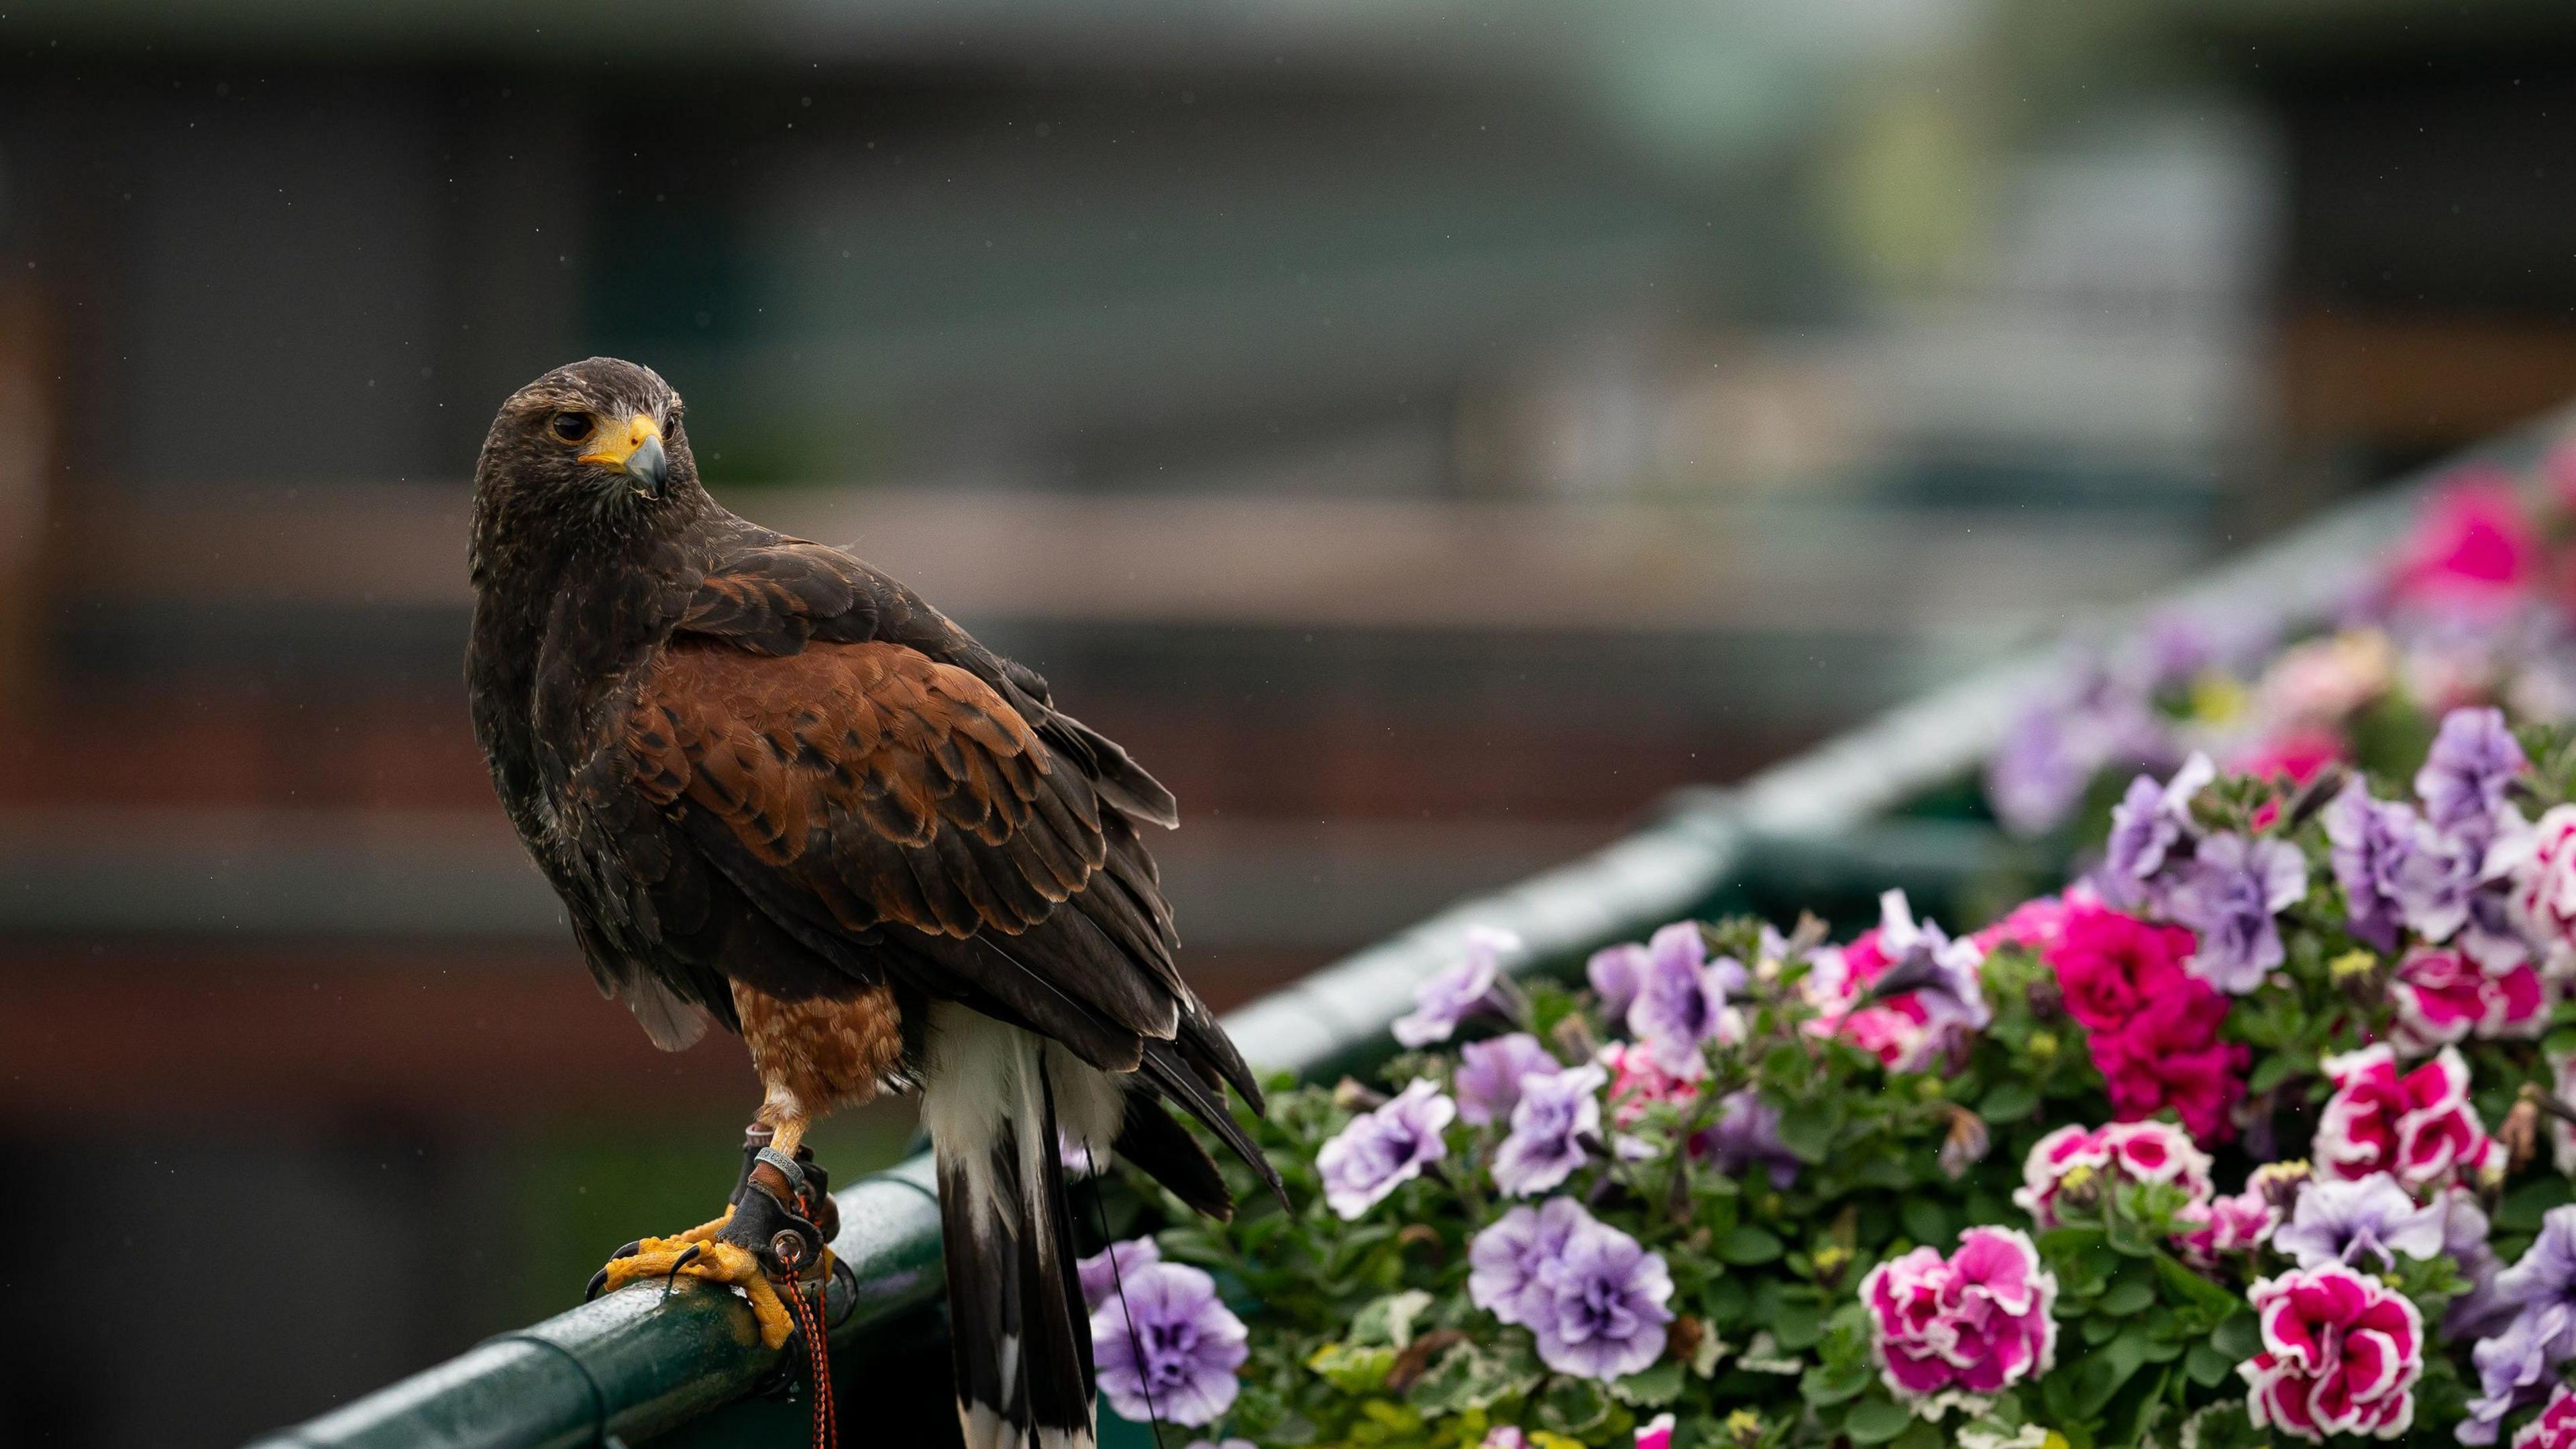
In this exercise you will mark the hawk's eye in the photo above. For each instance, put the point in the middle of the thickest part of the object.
(572, 427)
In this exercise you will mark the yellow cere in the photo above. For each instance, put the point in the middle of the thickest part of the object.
(616, 446)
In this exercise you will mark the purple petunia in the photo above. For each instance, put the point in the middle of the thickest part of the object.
(2374, 846)
(1167, 1347)
(1681, 997)
(2458, 886)
(1385, 1149)
(2152, 821)
(2361, 1224)
(1100, 1273)
(1745, 1136)
(1506, 1261)
(2038, 773)
(2516, 1366)
(2482, 1309)
(1604, 1314)
(1553, 1127)
(1941, 973)
(1488, 1080)
(2229, 898)
(2463, 782)
(1453, 995)
(1614, 972)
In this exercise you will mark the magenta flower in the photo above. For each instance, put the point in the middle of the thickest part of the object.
(1978, 1320)
(1506, 1261)
(1657, 1433)
(1602, 1313)
(1100, 1273)
(1558, 1115)
(1681, 997)
(1167, 1347)
(2341, 1354)
(1488, 1079)
(1382, 1150)
(2419, 1127)
(1453, 995)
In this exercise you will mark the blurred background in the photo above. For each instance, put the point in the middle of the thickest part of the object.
(1424, 432)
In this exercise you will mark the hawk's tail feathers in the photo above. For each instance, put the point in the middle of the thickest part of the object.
(1018, 1331)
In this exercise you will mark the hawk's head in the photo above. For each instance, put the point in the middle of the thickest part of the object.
(595, 445)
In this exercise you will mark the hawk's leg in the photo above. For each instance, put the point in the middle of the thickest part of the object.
(771, 1234)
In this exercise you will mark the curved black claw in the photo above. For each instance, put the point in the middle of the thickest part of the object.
(599, 1279)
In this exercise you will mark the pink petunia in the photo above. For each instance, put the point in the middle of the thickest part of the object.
(2341, 1354)
(2556, 1426)
(2418, 1126)
(2443, 997)
(2474, 548)
(1978, 1320)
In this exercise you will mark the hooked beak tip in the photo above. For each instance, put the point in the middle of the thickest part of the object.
(650, 467)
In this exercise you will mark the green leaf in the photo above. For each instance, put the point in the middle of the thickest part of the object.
(1351, 1368)
(2275, 1069)
(1651, 1388)
(2237, 1338)
(1875, 1421)
(2129, 1295)
(1924, 1435)
(1572, 1406)
(1389, 1321)
(2207, 1366)
(2008, 1101)
(1797, 1325)
(1748, 1245)
(1807, 1129)
(1925, 1221)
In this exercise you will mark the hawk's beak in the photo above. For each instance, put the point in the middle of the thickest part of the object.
(639, 451)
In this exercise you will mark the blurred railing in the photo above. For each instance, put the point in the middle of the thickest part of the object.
(646, 1361)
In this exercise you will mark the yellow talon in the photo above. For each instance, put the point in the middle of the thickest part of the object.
(709, 1261)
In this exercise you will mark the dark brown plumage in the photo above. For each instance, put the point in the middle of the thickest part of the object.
(776, 788)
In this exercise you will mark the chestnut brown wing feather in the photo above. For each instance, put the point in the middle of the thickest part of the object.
(864, 795)
(772, 594)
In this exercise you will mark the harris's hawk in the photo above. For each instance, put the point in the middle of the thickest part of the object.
(777, 790)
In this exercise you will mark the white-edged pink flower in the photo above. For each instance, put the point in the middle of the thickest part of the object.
(2206, 1232)
(2341, 1354)
(2418, 1126)
(2556, 1426)
(2542, 861)
(2158, 1152)
(2052, 1160)
(1976, 1322)
(2443, 997)
(1656, 1433)
(1639, 1081)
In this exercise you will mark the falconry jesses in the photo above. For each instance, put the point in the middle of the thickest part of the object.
(777, 789)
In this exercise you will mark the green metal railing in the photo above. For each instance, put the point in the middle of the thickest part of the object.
(647, 1361)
